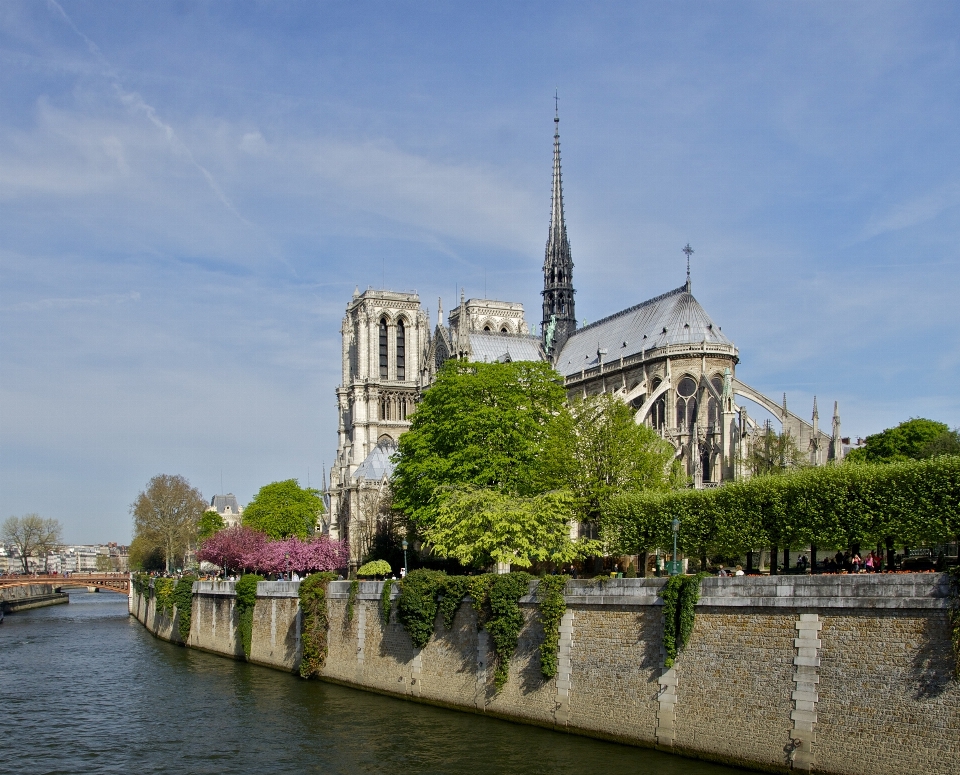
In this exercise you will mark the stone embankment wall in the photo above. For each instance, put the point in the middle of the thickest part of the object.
(31, 596)
(834, 674)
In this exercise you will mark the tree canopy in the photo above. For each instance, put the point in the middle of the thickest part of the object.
(913, 439)
(33, 536)
(210, 522)
(481, 425)
(482, 526)
(284, 509)
(594, 448)
(166, 515)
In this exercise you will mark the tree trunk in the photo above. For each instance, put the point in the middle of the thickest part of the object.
(813, 558)
(891, 561)
(774, 560)
(750, 561)
(642, 561)
(786, 559)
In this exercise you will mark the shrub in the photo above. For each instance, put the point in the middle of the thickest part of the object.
(163, 594)
(183, 600)
(313, 604)
(246, 600)
(375, 568)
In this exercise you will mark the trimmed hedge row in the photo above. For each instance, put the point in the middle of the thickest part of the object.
(912, 503)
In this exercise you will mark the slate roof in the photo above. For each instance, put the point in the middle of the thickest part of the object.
(672, 318)
(492, 347)
(377, 464)
(221, 502)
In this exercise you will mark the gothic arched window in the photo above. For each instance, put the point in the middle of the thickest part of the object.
(658, 412)
(713, 406)
(383, 348)
(686, 403)
(401, 351)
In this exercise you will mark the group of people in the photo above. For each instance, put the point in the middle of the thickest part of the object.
(852, 562)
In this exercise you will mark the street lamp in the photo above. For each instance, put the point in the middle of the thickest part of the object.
(404, 556)
(676, 529)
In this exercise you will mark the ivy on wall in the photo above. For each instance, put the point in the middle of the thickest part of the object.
(955, 616)
(141, 584)
(680, 595)
(246, 599)
(386, 601)
(183, 600)
(551, 607)
(351, 597)
(163, 593)
(313, 605)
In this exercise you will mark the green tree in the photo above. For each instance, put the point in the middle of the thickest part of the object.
(774, 454)
(166, 516)
(483, 526)
(210, 522)
(480, 425)
(912, 439)
(284, 509)
(595, 448)
(145, 555)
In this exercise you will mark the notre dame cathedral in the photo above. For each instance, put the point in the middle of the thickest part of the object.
(664, 357)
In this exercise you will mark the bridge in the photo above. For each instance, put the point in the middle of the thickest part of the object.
(108, 582)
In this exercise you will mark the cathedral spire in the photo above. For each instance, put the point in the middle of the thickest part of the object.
(559, 318)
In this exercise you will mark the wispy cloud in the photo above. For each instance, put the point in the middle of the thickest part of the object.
(914, 211)
(108, 299)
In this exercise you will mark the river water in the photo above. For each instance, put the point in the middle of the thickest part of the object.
(85, 689)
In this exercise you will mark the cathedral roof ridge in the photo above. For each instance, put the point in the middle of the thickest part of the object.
(634, 308)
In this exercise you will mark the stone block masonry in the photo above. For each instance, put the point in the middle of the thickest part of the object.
(838, 674)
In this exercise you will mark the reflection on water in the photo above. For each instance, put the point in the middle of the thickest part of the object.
(85, 689)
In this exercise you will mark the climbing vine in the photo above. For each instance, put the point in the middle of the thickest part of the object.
(246, 599)
(351, 597)
(506, 620)
(313, 604)
(680, 595)
(551, 608)
(417, 605)
(452, 591)
(141, 583)
(183, 600)
(386, 601)
(955, 615)
(163, 593)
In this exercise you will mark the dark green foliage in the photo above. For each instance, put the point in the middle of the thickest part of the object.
(480, 424)
(506, 620)
(313, 605)
(955, 615)
(354, 588)
(551, 607)
(417, 606)
(284, 509)
(386, 601)
(246, 599)
(453, 589)
(913, 439)
(478, 588)
(916, 503)
(163, 594)
(141, 583)
(680, 595)
(183, 600)
(210, 522)
(631, 572)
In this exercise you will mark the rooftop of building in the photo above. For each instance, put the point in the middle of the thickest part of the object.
(672, 318)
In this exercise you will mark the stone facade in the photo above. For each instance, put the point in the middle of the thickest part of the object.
(832, 674)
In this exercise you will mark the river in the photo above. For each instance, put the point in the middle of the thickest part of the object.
(85, 689)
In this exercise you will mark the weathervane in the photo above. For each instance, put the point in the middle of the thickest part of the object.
(689, 251)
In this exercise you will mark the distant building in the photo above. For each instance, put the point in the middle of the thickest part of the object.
(228, 508)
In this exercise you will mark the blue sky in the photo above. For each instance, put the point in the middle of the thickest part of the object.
(189, 193)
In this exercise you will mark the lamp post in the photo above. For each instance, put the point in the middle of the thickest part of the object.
(676, 529)
(287, 555)
(404, 557)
